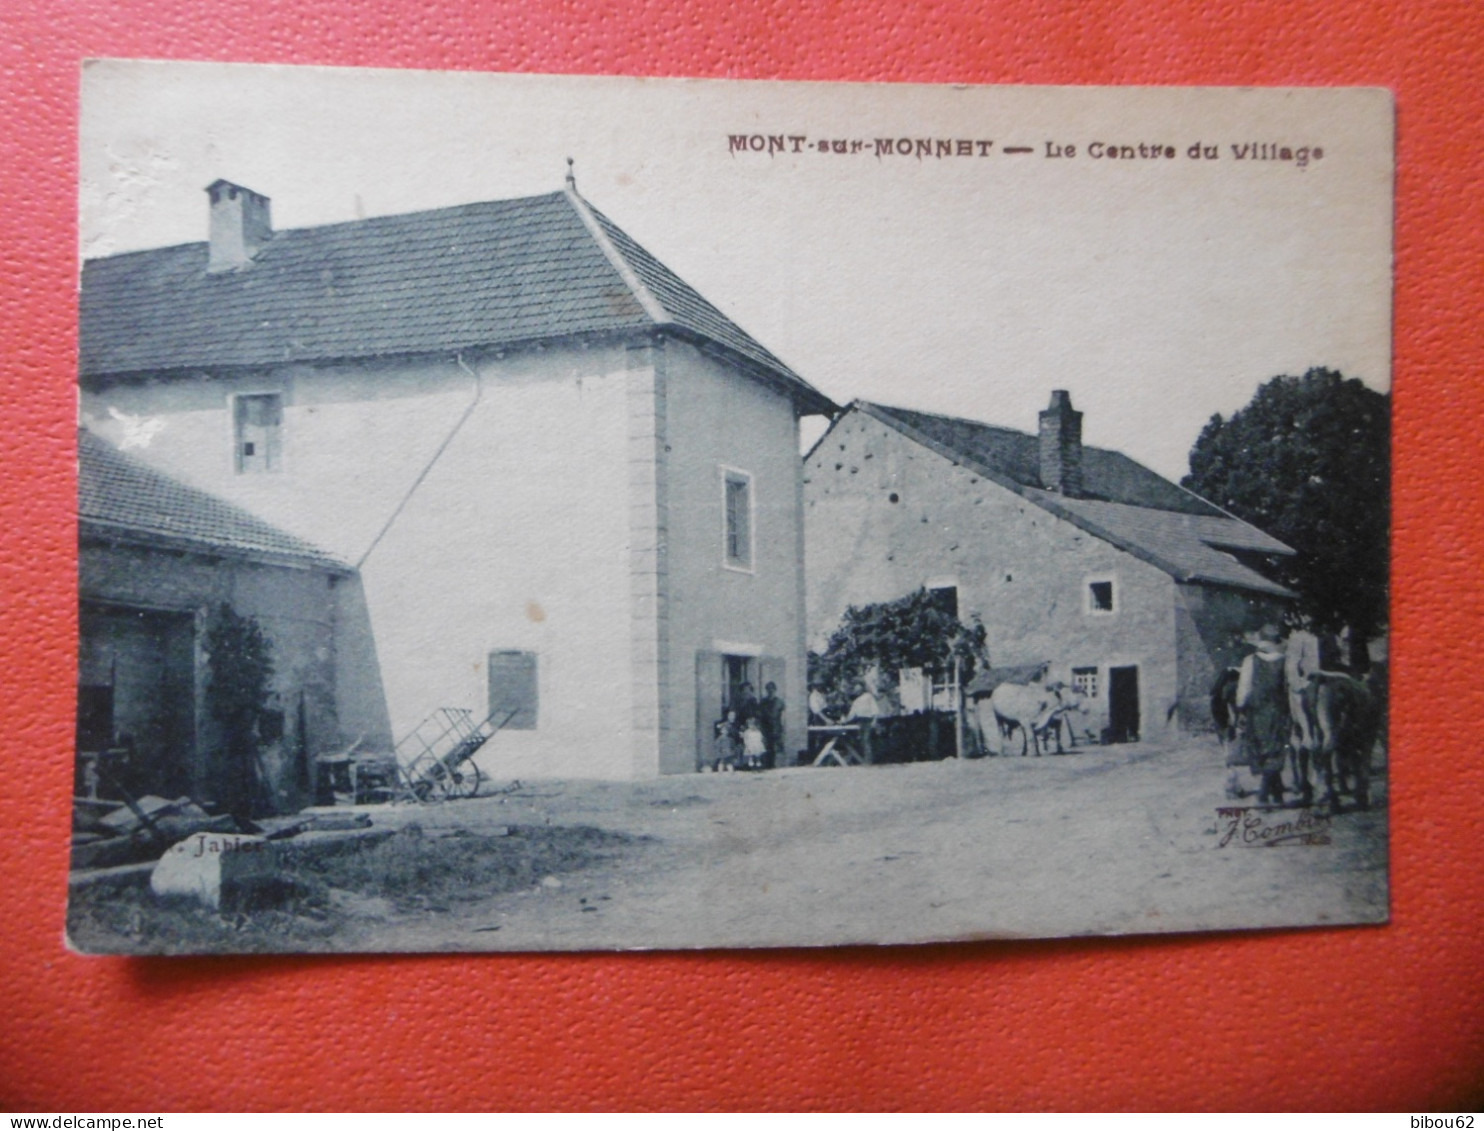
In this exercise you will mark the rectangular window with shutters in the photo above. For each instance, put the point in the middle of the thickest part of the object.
(257, 427)
(513, 690)
(737, 486)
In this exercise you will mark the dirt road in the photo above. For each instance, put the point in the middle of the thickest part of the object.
(1107, 839)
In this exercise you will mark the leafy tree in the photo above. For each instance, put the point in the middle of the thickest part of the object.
(914, 631)
(239, 660)
(1309, 461)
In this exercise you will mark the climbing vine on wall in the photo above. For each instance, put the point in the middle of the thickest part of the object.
(914, 631)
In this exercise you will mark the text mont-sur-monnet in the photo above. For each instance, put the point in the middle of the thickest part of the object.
(939, 148)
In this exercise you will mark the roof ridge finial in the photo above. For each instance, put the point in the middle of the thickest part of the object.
(571, 175)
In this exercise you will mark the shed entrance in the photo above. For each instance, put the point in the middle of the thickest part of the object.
(136, 689)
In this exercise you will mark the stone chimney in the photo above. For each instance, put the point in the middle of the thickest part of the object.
(1061, 446)
(240, 225)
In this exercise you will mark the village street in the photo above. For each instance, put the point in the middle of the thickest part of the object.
(1107, 839)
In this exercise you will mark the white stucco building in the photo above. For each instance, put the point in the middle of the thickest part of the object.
(570, 485)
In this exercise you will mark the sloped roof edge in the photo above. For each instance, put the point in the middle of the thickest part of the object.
(1039, 499)
(123, 499)
(688, 313)
(488, 275)
(129, 534)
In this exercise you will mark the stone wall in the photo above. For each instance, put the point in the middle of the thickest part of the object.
(885, 515)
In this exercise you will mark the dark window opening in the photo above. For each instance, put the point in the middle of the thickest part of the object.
(945, 597)
(1100, 596)
(739, 681)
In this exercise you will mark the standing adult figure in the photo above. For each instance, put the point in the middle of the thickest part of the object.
(746, 704)
(864, 710)
(1262, 699)
(1301, 664)
(770, 710)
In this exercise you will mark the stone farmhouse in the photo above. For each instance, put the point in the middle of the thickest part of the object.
(565, 485)
(157, 559)
(1135, 591)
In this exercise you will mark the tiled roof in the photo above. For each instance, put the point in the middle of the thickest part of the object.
(1105, 474)
(684, 306)
(1123, 502)
(119, 495)
(496, 273)
(1184, 545)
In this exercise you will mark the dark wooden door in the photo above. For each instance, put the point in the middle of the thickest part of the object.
(144, 660)
(1123, 704)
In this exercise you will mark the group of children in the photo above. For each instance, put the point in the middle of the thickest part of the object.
(738, 746)
(750, 733)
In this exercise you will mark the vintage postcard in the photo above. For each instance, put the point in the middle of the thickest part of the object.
(535, 512)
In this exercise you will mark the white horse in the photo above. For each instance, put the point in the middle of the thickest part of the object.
(1032, 708)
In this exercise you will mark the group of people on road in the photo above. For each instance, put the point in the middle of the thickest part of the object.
(1272, 708)
(750, 733)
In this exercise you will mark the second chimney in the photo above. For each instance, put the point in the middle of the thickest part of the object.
(1061, 446)
(240, 225)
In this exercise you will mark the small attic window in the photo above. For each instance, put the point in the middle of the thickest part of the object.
(1101, 596)
(257, 427)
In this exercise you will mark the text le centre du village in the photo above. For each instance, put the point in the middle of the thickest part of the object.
(941, 148)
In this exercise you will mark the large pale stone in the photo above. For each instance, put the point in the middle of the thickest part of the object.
(208, 866)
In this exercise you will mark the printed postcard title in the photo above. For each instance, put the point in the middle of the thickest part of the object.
(955, 148)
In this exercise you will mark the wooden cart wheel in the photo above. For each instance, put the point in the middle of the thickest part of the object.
(418, 780)
(462, 780)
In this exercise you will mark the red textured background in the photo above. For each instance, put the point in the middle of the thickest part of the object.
(1387, 1017)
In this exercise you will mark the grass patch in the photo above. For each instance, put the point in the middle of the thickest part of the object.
(321, 890)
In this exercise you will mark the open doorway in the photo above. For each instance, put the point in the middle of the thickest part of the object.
(731, 681)
(1123, 704)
